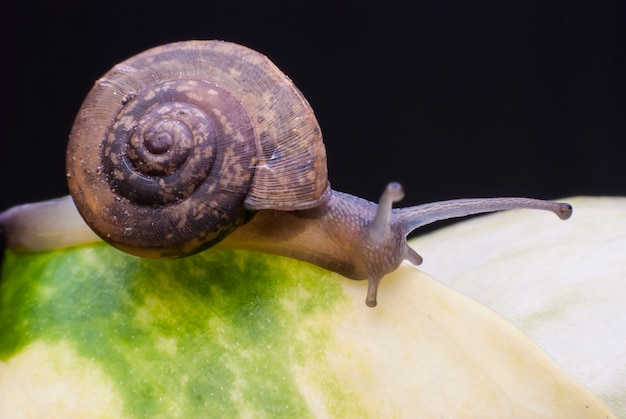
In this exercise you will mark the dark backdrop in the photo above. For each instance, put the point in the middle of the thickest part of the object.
(453, 99)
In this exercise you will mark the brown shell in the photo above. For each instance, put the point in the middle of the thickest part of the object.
(259, 136)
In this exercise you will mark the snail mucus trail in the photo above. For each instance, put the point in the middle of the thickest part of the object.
(206, 143)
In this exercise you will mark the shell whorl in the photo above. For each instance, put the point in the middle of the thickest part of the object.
(172, 146)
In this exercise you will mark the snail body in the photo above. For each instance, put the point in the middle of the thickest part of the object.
(206, 143)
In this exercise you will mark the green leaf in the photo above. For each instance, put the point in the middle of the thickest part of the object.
(92, 332)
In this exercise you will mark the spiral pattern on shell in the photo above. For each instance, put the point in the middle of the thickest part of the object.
(174, 147)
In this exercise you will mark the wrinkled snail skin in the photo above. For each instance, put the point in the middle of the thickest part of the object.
(360, 239)
(204, 144)
(341, 236)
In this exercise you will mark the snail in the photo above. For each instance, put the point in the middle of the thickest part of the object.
(198, 144)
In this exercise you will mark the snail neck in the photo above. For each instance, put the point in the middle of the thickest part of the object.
(354, 237)
(323, 235)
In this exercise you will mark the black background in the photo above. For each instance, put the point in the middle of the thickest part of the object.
(453, 99)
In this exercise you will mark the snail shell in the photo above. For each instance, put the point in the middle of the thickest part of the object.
(173, 146)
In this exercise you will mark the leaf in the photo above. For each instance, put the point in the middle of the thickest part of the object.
(562, 283)
(90, 331)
